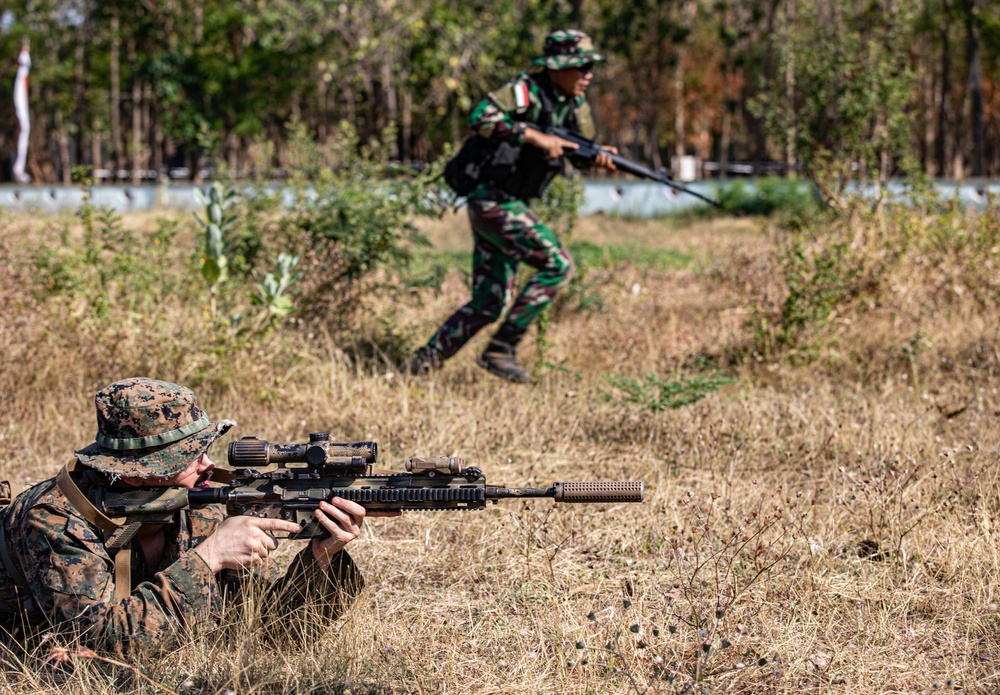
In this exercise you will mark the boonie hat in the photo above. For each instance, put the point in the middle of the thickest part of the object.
(567, 48)
(148, 429)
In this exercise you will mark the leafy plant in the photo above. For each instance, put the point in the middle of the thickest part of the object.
(270, 294)
(218, 220)
(653, 394)
(353, 222)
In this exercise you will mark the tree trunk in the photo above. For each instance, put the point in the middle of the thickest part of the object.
(791, 132)
(80, 73)
(680, 145)
(324, 114)
(136, 116)
(391, 107)
(97, 161)
(975, 88)
(116, 124)
(943, 140)
(726, 68)
(406, 118)
(65, 164)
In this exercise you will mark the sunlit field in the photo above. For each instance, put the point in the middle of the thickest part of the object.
(821, 514)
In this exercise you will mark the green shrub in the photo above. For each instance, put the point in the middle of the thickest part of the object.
(653, 394)
(352, 224)
(768, 195)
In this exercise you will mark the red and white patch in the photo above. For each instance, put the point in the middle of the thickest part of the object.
(521, 95)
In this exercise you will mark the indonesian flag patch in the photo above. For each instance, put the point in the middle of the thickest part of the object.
(521, 95)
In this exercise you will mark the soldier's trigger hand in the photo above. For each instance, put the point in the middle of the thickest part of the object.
(242, 541)
(553, 145)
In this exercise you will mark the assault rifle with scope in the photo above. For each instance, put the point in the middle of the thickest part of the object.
(587, 150)
(288, 481)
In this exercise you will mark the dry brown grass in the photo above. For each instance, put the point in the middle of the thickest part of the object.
(835, 524)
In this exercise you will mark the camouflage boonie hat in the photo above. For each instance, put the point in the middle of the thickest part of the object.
(148, 429)
(567, 48)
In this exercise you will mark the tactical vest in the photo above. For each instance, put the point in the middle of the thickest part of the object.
(518, 171)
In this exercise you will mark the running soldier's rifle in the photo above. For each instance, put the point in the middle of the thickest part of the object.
(288, 481)
(588, 150)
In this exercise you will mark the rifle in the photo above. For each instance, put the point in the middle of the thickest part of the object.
(288, 481)
(588, 150)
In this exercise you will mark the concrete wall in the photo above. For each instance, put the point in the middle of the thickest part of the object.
(626, 198)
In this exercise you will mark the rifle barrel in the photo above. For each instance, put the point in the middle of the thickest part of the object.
(600, 491)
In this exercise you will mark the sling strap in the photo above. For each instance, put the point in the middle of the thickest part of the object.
(123, 556)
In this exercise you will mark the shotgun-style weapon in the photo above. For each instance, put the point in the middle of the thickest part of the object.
(288, 481)
(588, 150)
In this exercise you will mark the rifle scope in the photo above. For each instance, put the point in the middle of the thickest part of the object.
(256, 453)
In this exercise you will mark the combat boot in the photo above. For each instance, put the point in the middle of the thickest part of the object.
(424, 360)
(501, 359)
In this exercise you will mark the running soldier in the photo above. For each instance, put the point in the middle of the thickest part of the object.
(60, 568)
(505, 230)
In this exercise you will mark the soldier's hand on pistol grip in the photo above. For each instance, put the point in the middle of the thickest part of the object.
(343, 519)
(242, 541)
(553, 145)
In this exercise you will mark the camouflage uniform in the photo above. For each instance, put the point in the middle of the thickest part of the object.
(70, 573)
(505, 230)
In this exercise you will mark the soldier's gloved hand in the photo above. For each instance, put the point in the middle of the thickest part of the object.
(553, 145)
(241, 541)
(343, 519)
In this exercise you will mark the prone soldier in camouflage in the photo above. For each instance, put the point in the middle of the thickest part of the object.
(151, 433)
(505, 230)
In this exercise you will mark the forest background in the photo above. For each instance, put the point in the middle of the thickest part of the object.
(809, 391)
(137, 87)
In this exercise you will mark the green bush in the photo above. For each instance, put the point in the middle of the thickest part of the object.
(854, 261)
(653, 394)
(352, 224)
(768, 195)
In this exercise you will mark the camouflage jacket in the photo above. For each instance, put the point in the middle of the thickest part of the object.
(72, 578)
(502, 114)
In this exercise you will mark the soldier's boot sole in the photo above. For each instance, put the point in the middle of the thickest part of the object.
(505, 368)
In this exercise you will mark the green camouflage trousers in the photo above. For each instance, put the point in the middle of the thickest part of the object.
(505, 234)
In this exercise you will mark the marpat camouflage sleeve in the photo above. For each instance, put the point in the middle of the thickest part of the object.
(72, 581)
